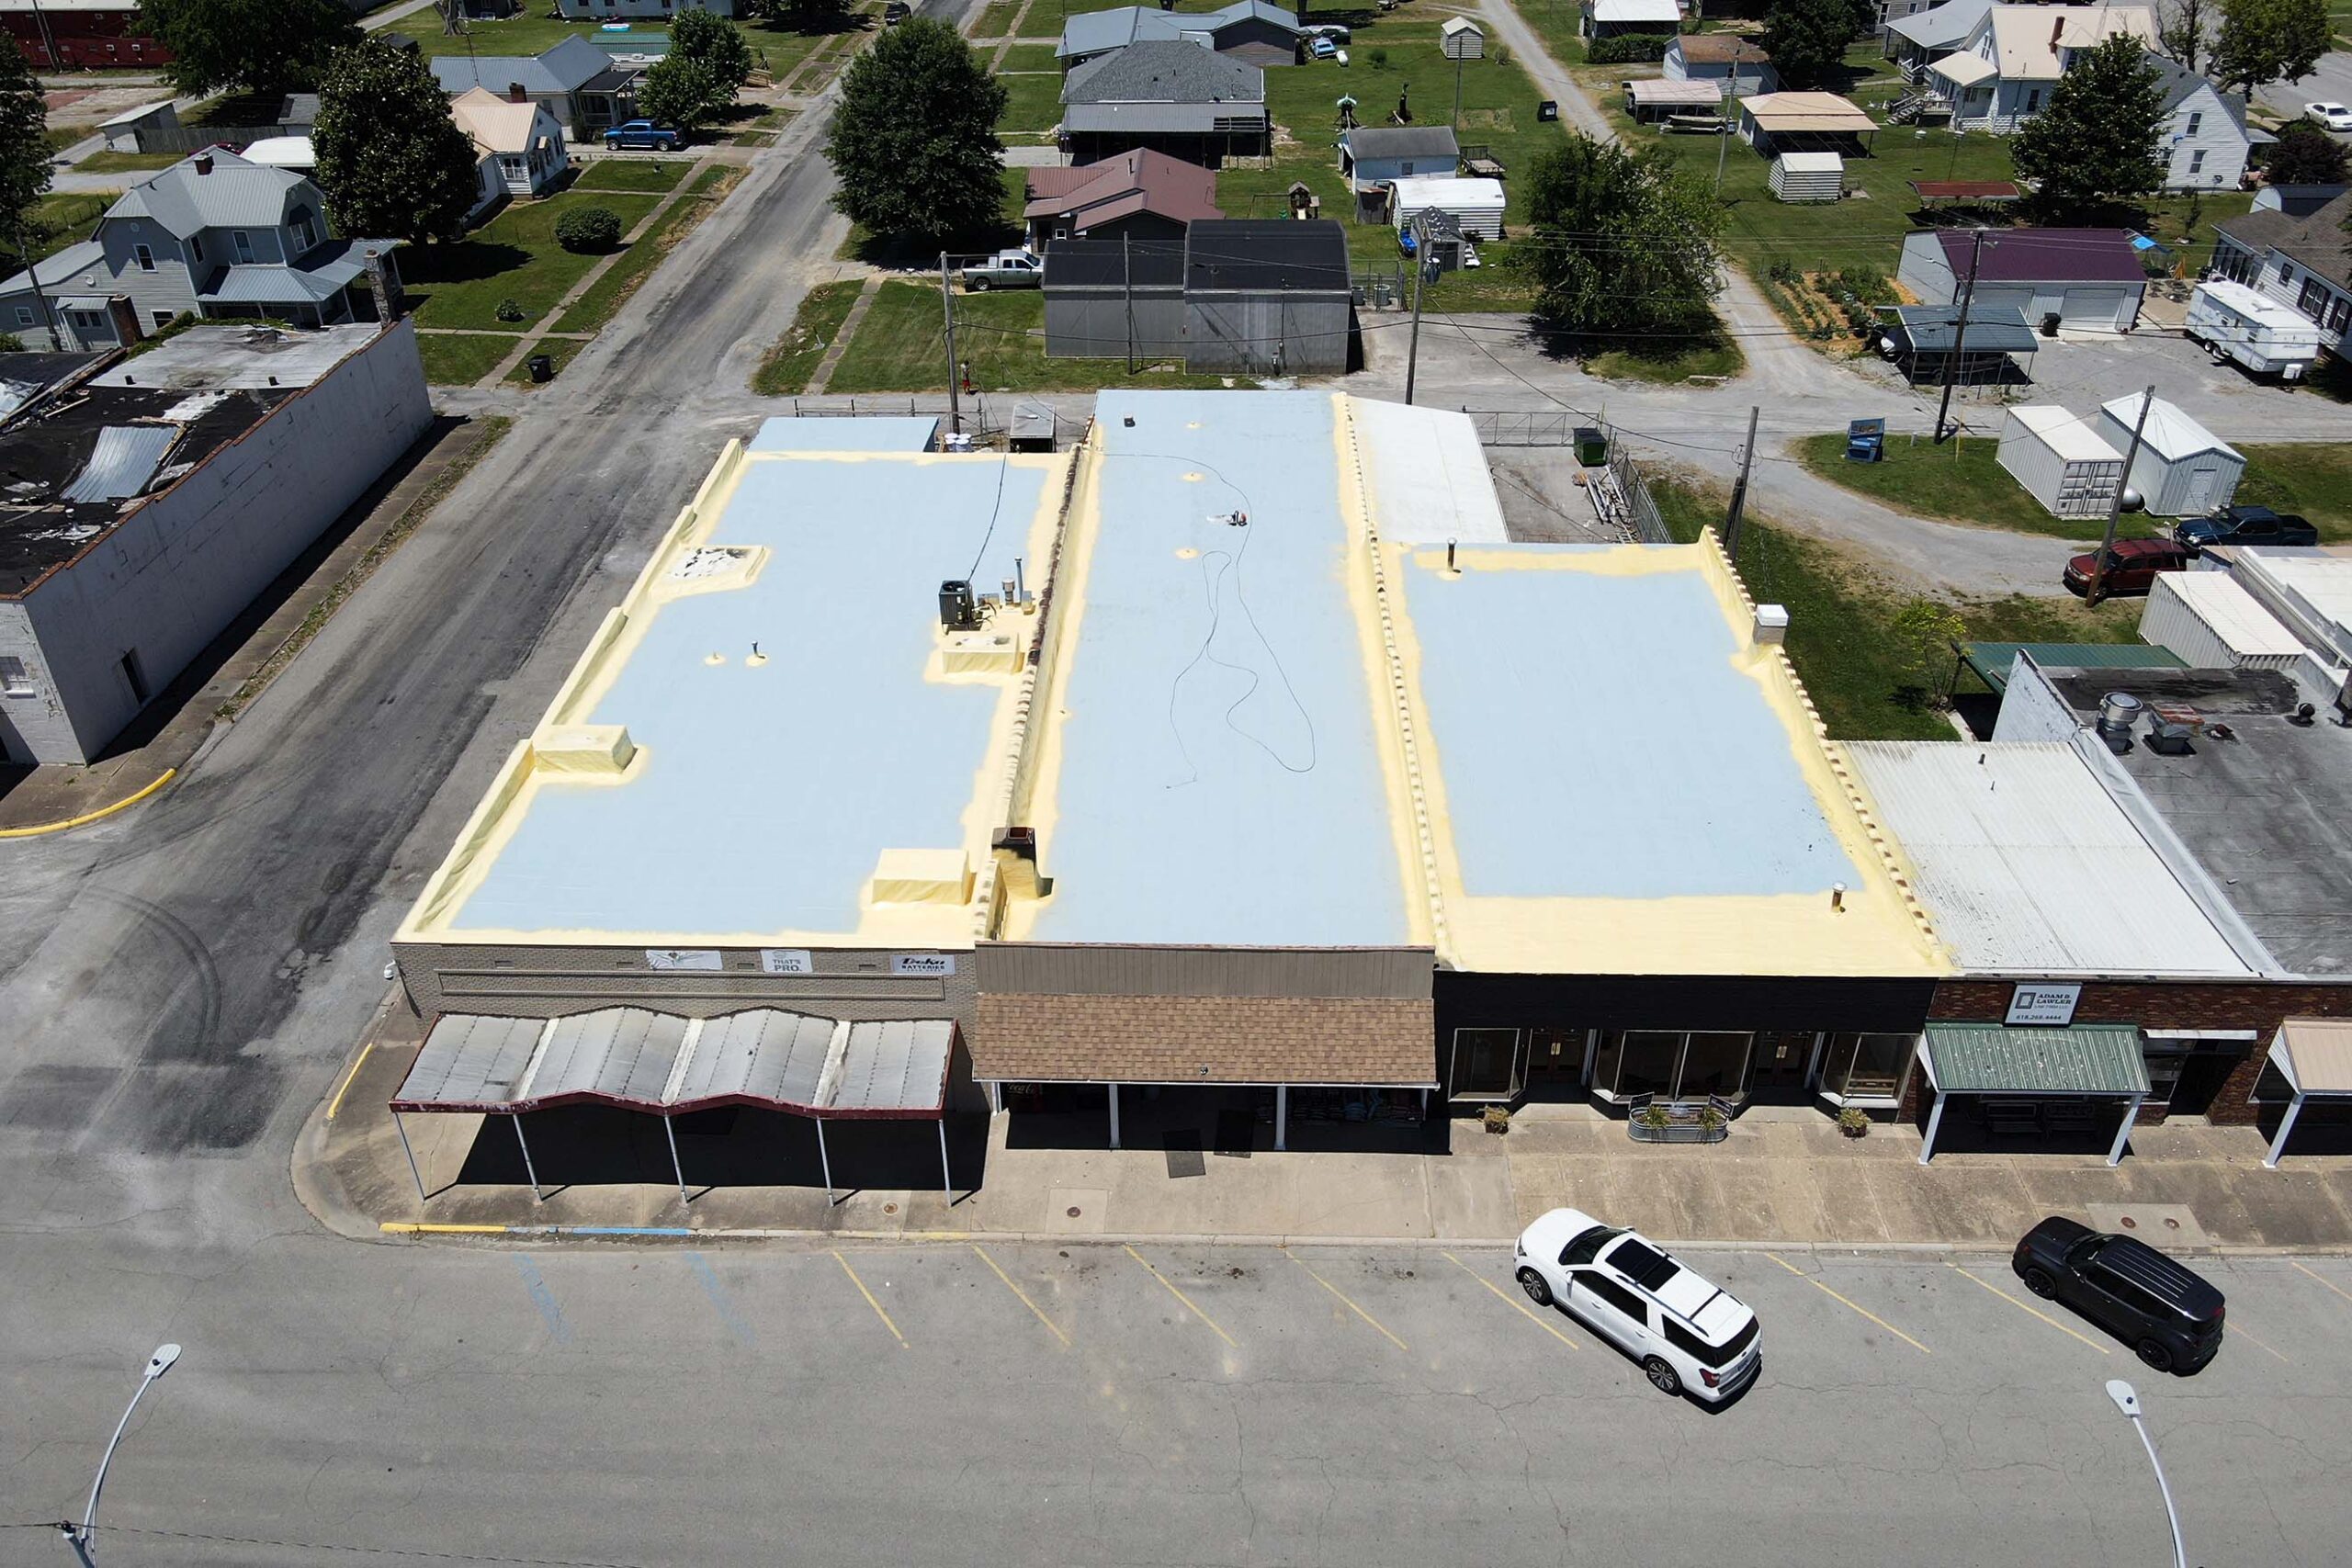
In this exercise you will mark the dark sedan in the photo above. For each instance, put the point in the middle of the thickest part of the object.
(2162, 1310)
(2245, 526)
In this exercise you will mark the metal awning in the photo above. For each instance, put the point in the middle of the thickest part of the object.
(2315, 1054)
(1993, 660)
(1989, 1058)
(1961, 70)
(1935, 329)
(1656, 91)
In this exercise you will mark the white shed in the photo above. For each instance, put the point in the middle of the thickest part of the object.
(2183, 468)
(1476, 205)
(2211, 622)
(2059, 460)
(1809, 176)
(1459, 37)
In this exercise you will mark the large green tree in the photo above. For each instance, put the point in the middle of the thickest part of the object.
(2099, 139)
(24, 149)
(1806, 39)
(2269, 40)
(2305, 156)
(717, 45)
(1619, 243)
(679, 92)
(261, 46)
(392, 161)
(914, 140)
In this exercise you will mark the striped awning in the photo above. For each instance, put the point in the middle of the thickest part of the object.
(1989, 1058)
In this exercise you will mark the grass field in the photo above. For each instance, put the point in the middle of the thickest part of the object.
(462, 360)
(632, 173)
(592, 310)
(794, 358)
(513, 257)
(1033, 104)
(1038, 57)
(560, 352)
(58, 219)
(2314, 479)
(1001, 335)
(107, 162)
(525, 35)
(997, 20)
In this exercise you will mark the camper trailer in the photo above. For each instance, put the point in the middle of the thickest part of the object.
(2237, 323)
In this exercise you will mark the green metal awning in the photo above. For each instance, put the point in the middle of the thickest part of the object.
(1991, 660)
(1987, 1058)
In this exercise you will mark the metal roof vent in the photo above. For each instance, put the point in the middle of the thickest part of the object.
(2117, 712)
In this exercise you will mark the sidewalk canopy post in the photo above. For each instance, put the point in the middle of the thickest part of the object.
(1282, 1117)
(402, 1128)
(2123, 1133)
(947, 1182)
(2286, 1126)
(676, 1168)
(1935, 1120)
(824, 1160)
(1115, 1116)
(527, 1171)
(996, 1095)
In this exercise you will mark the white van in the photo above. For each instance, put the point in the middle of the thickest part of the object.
(1689, 1336)
(2234, 323)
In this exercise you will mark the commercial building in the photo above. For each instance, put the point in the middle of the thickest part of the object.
(147, 509)
(90, 35)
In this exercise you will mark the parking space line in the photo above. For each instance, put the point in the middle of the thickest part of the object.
(1851, 1305)
(2239, 1329)
(1189, 1304)
(1346, 1303)
(1051, 1327)
(870, 1301)
(2326, 1280)
(1510, 1301)
(2022, 1307)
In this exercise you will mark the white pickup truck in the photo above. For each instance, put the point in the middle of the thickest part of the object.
(1006, 269)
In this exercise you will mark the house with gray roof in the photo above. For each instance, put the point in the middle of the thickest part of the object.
(1253, 31)
(577, 83)
(2293, 247)
(212, 236)
(2204, 140)
(1168, 96)
(1372, 154)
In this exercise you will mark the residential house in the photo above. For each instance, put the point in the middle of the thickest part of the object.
(1608, 18)
(1372, 156)
(1171, 98)
(213, 235)
(298, 114)
(1139, 195)
(1737, 64)
(2206, 137)
(613, 10)
(578, 84)
(2295, 249)
(1916, 36)
(520, 145)
(2090, 279)
(2003, 75)
(1251, 31)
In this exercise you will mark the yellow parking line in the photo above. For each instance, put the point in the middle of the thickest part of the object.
(1510, 1301)
(2022, 1307)
(2239, 1331)
(1852, 1305)
(1051, 1327)
(1189, 1304)
(2325, 1281)
(1346, 1303)
(337, 1103)
(870, 1301)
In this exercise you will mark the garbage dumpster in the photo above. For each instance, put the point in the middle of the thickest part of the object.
(542, 367)
(1593, 446)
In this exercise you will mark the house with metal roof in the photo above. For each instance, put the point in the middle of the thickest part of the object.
(2003, 72)
(2293, 247)
(1138, 195)
(2090, 279)
(578, 84)
(1253, 31)
(519, 146)
(1167, 97)
(2206, 140)
(1372, 156)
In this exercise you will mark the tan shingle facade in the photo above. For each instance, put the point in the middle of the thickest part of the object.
(1300, 1040)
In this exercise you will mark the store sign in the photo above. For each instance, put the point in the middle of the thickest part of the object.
(788, 961)
(684, 958)
(2044, 1004)
(931, 964)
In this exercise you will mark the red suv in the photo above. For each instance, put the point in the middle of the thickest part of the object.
(2131, 566)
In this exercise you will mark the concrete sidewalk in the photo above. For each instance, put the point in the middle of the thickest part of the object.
(1783, 1176)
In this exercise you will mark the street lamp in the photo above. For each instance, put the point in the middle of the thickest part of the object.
(78, 1536)
(2128, 1402)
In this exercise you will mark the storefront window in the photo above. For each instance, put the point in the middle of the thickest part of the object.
(1867, 1066)
(1485, 1064)
(1669, 1063)
(1713, 1064)
(1648, 1066)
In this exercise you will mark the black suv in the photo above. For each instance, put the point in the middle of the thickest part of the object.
(2172, 1317)
(2245, 526)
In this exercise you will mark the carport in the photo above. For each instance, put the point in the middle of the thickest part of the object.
(665, 1065)
(2016, 1075)
(2315, 1055)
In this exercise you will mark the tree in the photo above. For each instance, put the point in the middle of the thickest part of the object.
(1619, 243)
(392, 161)
(679, 92)
(2184, 28)
(24, 146)
(914, 140)
(718, 46)
(1924, 633)
(2098, 140)
(2306, 155)
(2269, 40)
(1806, 39)
(262, 46)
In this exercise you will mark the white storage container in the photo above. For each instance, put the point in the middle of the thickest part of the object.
(2059, 462)
(2210, 623)
(2182, 469)
(1808, 176)
(1476, 205)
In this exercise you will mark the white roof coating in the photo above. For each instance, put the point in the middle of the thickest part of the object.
(2069, 435)
(1429, 479)
(2231, 613)
(2168, 432)
(1451, 192)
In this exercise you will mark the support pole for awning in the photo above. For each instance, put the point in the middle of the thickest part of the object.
(527, 1171)
(1115, 1116)
(947, 1182)
(2123, 1133)
(1935, 1120)
(996, 1095)
(1282, 1117)
(2286, 1126)
(402, 1128)
(824, 1160)
(676, 1168)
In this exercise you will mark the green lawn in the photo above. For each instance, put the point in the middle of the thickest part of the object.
(592, 310)
(561, 351)
(1036, 57)
(1556, 22)
(58, 219)
(794, 358)
(655, 175)
(1033, 104)
(106, 162)
(513, 257)
(1002, 335)
(525, 35)
(462, 360)
(783, 46)
(997, 20)
(2314, 479)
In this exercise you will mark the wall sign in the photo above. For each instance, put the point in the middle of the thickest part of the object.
(2044, 1004)
(787, 960)
(684, 958)
(931, 964)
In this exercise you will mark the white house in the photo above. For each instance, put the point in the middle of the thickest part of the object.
(520, 145)
(2292, 248)
(2206, 140)
(1738, 63)
(2002, 76)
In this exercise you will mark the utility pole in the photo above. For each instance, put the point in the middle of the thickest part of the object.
(1127, 280)
(947, 308)
(2115, 504)
(78, 1534)
(1722, 136)
(2128, 1401)
(1456, 120)
(1420, 271)
(1960, 330)
(1739, 490)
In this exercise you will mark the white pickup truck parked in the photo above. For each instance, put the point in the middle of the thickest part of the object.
(1006, 269)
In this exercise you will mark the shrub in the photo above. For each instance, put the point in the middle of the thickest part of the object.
(11, 344)
(1377, 60)
(1853, 1121)
(509, 310)
(588, 231)
(1627, 49)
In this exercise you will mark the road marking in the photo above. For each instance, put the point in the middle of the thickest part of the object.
(870, 1301)
(337, 1103)
(1051, 1327)
(1510, 1301)
(708, 1277)
(2037, 1312)
(1843, 1302)
(544, 1299)
(1189, 1304)
(1346, 1303)
(2325, 1281)
(2239, 1329)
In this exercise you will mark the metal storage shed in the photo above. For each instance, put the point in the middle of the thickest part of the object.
(2212, 623)
(2059, 460)
(1809, 176)
(2183, 468)
(1476, 205)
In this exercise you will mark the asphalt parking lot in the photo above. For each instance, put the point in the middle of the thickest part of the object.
(951, 1404)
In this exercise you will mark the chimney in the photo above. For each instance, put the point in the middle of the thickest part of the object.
(514, 94)
(203, 162)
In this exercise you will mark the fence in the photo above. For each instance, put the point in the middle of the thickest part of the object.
(1634, 508)
(1500, 428)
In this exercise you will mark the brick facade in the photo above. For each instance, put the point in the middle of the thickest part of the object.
(96, 39)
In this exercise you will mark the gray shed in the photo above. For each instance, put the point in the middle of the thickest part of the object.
(1267, 296)
(1108, 299)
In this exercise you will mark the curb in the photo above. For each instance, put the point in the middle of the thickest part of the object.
(87, 817)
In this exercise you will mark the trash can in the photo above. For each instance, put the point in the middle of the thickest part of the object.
(542, 367)
(1593, 446)
(2050, 323)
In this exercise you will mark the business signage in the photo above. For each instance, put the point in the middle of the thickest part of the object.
(684, 958)
(930, 963)
(2044, 1004)
(787, 960)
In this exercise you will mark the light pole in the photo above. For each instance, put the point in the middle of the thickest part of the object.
(78, 1536)
(2128, 1402)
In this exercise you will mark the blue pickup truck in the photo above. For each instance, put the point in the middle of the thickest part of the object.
(644, 133)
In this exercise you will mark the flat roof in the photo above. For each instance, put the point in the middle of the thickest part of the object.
(1778, 112)
(771, 739)
(2230, 613)
(1620, 780)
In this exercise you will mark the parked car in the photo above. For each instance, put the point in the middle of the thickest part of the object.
(2161, 1308)
(641, 133)
(2335, 117)
(2244, 525)
(897, 11)
(2131, 566)
(1006, 269)
(1322, 48)
(1689, 1336)
(1332, 30)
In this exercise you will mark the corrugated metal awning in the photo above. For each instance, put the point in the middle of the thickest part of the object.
(1993, 660)
(2316, 1055)
(1656, 91)
(123, 460)
(1988, 1058)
